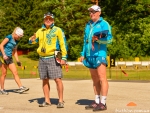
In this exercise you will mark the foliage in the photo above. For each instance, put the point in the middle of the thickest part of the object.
(129, 20)
(33, 55)
(130, 27)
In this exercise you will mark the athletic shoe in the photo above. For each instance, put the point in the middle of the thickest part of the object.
(60, 105)
(44, 104)
(21, 90)
(91, 106)
(100, 107)
(3, 92)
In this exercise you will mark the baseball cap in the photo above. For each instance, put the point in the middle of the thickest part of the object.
(19, 32)
(48, 14)
(95, 8)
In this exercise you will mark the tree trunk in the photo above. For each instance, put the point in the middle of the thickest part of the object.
(95, 1)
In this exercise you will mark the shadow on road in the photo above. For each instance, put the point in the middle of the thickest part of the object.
(84, 102)
(15, 91)
(41, 100)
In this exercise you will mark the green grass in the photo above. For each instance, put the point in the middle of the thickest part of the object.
(30, 70)
(131, 74)
(81, 72)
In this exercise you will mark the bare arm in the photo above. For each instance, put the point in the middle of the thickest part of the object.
(2, 48)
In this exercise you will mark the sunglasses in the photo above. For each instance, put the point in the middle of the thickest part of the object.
(50, 19)
(93, 12)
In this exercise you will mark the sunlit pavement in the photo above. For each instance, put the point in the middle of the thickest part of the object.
(123, 97)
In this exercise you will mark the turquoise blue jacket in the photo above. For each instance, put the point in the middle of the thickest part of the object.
(10, 45)
(100, 46)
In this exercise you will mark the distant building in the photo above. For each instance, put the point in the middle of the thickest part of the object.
(22, 52)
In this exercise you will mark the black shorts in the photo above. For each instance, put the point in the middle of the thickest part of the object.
(7, 62)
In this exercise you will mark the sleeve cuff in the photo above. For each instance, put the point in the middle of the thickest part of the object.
(64, 58)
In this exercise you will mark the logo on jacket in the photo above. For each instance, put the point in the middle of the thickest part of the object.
(98, 62)
(98, 26)
(50, 35)
(103, 58)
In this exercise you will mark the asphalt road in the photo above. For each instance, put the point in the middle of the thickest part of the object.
(77, 94)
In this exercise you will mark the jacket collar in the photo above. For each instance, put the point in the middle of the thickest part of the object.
(44, 27)
(99, 20)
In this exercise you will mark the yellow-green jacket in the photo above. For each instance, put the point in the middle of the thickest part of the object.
(52, 39)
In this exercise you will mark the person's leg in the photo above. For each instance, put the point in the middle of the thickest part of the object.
(43, 72)
(96, 84)
(96, 87)
(104, 87)
(3, 75)
(46, 90)
(13, 69)
(103, 80)
(60, 88)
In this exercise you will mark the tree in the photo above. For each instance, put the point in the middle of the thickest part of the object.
(129, 20)
(19, 13)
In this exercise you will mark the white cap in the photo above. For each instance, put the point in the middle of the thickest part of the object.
(19, 32)
(95, 8)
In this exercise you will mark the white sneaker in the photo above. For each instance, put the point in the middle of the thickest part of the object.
(3, 92)
(22, 89)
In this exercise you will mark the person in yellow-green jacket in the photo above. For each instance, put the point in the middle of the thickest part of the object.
(51, 39)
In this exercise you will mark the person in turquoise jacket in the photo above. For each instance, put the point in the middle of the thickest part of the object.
(97, 35)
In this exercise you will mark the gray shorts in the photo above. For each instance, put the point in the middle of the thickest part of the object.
(49, 68)
(7, 62)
